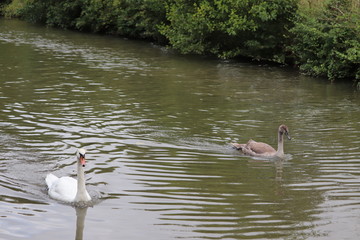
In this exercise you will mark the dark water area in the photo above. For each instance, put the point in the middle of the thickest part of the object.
(157, 128)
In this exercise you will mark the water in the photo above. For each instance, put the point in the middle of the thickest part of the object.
(157, 126)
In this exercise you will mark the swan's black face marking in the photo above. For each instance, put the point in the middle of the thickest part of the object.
(82, 159)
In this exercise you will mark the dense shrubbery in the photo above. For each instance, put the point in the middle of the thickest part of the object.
(254, 28)
(131, 18)
(325, 43)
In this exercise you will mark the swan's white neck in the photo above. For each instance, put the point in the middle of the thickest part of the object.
(82, 194)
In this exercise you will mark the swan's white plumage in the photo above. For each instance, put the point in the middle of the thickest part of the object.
(66, 188)
(50, 179)
(62, 189)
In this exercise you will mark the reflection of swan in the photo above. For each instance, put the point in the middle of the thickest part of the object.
(80, 220)
(259, 149)
(279, 165)
(68, 189)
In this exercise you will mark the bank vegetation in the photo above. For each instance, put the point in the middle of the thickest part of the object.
(321, 38)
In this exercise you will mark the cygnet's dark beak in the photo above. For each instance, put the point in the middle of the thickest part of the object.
(288, 135)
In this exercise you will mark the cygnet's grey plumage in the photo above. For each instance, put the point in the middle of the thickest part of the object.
(260, 149)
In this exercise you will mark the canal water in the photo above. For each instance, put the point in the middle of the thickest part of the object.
(157, 128)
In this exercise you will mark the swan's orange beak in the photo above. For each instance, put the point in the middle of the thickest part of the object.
(82, 161)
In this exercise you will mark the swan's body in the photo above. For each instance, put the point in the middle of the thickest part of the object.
(68, 189)
(260, 149)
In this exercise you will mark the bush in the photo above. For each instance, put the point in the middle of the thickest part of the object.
(230, 28)
(56, 13)
(328, 44)
(321, 42)
(10, 8)
(131, 18)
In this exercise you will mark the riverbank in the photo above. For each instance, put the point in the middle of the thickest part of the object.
(320, 39)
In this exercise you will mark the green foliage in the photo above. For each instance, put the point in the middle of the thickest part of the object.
(322, 38)
(57, 13)
(97, 16)
(63, 13)
(329, 44)
(132, 18)
(228, 28)
(140, 18)
(10, 8)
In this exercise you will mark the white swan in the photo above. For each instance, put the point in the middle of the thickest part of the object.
(68, 189)
(260, 149)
